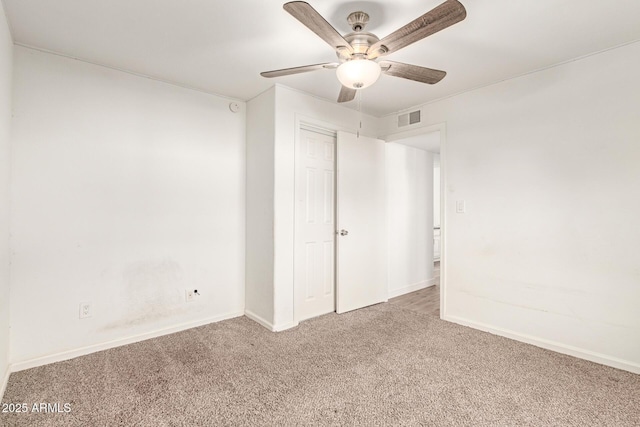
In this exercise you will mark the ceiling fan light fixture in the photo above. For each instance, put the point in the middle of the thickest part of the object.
(358, 73)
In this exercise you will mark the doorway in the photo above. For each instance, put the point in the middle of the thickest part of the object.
(433, 296)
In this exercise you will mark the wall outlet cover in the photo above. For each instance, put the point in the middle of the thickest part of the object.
(85, 310)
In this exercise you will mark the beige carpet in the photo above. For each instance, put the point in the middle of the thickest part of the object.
(377, 366)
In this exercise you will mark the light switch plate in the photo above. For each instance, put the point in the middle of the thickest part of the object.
(460, 206)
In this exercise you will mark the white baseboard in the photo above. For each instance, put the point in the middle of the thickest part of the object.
(284, 326)
(3, 384)
(412, 288)
(270, 326)
(66, 355)
(580, 353)
(251, 315)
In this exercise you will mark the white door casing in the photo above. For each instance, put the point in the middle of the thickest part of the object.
(361, 267)
(314, 271)
(436, 244)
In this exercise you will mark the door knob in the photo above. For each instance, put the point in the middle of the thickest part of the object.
(343, 232)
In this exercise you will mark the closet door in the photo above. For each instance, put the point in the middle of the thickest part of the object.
(361, 267)
(315, 225)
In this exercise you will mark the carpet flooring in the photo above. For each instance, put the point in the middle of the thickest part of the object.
(377, 366)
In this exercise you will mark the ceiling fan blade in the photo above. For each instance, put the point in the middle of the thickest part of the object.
(306, 14)
(298, 70)
(346, 94)
(412, 72)
(439, 18)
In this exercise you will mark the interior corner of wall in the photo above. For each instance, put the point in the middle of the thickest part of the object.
(4, 380)
(259, 319)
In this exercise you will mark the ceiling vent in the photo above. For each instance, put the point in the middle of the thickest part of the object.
(407, 119)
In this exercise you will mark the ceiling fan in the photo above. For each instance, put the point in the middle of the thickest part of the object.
(358, 51)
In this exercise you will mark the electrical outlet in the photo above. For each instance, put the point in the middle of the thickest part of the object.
(85, 310)
(190, 294)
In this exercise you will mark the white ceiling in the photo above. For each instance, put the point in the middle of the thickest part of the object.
(222, 46)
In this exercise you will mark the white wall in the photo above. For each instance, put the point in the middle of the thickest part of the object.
(6, 70)
(126, 191)
(259, 202)
(410, 218)
(549, 248)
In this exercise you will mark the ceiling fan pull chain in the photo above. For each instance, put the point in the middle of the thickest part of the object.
(359, 107)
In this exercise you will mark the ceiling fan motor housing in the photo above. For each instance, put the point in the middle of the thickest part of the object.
(360, 41)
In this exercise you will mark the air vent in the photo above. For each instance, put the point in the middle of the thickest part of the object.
(414, 117)
(407, 119)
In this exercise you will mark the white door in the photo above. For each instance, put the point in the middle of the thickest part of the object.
(362, 227)
(314, 275)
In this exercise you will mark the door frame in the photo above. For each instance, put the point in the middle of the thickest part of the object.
(442, 128)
